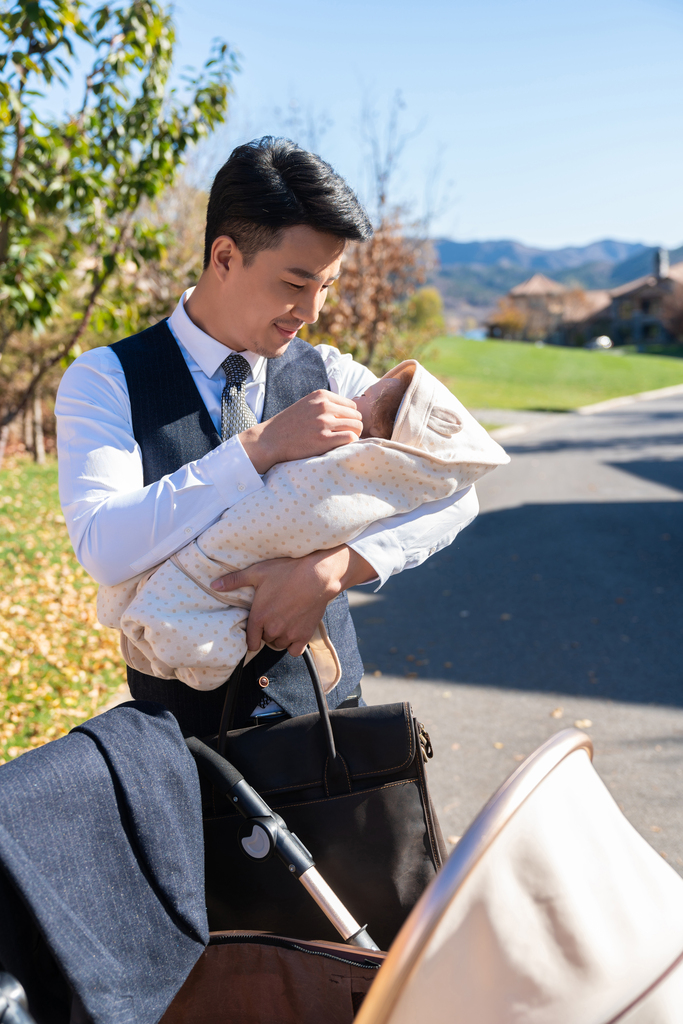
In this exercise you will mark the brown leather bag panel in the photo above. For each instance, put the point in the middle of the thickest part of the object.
(252, 983)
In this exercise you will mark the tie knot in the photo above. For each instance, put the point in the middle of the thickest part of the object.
(236, 369)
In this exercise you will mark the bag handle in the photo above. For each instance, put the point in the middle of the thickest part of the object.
(229, 704)
(322, 704)
(228, 714)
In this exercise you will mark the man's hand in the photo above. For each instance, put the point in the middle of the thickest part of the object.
(312, 426)
(293, 593)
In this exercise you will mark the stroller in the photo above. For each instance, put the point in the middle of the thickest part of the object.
(550, 910)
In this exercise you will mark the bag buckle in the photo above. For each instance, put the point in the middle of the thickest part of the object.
(425, 743)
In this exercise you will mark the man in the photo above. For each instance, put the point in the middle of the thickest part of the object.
(162, 432)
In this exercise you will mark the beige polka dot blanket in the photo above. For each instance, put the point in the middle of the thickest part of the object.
(175, 627)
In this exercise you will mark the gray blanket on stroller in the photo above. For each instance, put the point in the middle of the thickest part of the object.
(101, 868)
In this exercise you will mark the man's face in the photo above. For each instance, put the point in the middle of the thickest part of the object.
(267, 302)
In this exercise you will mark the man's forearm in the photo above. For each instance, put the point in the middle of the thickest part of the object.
(341, 568)
(291, 594)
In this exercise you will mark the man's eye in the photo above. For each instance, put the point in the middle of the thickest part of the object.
(297, 286)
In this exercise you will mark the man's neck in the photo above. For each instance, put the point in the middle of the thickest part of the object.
(204, 313)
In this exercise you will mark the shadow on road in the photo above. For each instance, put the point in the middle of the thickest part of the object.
(581, 599)
(668, 472)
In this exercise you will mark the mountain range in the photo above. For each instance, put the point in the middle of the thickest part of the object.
(471, 275)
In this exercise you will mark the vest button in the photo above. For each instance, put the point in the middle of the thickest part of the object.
(264, 681)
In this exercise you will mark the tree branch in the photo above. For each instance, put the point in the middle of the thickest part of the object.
(64, 350)
(19, 146)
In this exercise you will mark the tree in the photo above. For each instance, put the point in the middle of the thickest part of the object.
(508, 320)
(377, 310)
(72, 192)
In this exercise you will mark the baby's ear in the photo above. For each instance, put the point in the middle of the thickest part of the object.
(444, 422)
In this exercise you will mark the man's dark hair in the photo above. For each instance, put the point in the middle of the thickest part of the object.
(271, 184)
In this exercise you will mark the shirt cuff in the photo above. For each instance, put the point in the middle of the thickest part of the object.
(384, 554)
(231, 471)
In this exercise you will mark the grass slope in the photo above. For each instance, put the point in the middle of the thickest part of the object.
(517, 375)
(58, 666)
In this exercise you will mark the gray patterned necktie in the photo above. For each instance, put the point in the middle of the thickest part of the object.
(236, 415)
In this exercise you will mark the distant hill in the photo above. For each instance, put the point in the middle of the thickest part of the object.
(474, 275)
(507, 253)
(639, 265)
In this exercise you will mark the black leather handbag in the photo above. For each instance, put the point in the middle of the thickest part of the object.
(351, 784)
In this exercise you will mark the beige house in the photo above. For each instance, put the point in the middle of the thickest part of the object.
(634, 313)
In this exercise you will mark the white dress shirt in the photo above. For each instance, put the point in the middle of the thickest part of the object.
(119, 528)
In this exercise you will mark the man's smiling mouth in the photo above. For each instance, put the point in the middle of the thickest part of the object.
(290, 329)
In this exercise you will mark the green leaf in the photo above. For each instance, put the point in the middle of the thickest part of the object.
(27, 291)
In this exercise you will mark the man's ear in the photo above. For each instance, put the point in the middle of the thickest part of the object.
(224, 253)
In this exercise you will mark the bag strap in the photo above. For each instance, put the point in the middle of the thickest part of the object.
(230, 703)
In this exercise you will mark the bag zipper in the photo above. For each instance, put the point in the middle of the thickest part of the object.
(272, 940)
(427, 752)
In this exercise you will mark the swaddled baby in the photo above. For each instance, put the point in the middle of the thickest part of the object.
(418, 444)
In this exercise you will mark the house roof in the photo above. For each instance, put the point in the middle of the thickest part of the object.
(633, 286)
(594, 301)
(675, 273)
(539, 284)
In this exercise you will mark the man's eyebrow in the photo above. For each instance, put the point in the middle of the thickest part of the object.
(307, 275)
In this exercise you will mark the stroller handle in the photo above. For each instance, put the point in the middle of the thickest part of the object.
(264, 833)
(13, 1005)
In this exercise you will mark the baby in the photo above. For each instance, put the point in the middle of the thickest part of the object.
(418, 444)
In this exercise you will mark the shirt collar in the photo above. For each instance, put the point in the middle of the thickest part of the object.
(205, 350)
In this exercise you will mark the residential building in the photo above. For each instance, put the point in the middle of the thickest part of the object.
(637, 313)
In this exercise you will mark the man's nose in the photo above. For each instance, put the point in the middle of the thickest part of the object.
(308, 306)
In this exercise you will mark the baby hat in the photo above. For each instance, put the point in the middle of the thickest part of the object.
(432, 419)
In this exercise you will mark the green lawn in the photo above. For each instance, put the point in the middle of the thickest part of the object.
(58, 666)
(517, 375)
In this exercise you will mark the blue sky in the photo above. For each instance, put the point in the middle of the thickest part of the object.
(547, 122)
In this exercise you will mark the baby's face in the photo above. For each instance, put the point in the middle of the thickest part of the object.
(369, 402)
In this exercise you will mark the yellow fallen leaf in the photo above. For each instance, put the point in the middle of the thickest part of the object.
(583, 723)
(557, 713)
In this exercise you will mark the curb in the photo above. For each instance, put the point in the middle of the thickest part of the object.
(514, 429)
(641, 396)
(500, 433)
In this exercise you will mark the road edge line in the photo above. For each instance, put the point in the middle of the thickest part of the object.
(641, 396)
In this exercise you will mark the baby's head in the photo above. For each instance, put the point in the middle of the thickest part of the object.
(379, 404)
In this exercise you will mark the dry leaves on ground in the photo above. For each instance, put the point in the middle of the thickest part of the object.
(58, 666)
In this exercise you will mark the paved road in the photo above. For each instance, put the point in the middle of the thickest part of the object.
(562, 603)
